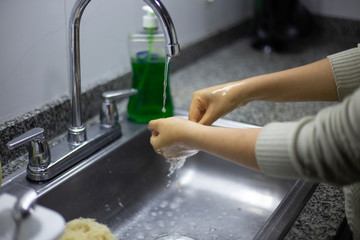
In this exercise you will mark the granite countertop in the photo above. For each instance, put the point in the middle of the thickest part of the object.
(324, 212)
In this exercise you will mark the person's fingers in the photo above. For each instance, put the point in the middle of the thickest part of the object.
(209, 117)
(153, 141)
(153, 127)
(194, 114)
(197, 109)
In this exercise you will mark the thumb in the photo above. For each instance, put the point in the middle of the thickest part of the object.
(209, 117)
(195, 115)
(153, 142)
(197, 109)
(153, 127)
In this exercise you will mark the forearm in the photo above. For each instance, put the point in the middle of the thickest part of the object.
(312, 82)
(233, 144)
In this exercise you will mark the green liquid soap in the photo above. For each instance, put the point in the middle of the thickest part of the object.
(153, 100)
(150, 75)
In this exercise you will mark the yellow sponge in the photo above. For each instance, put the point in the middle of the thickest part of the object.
(86, 229)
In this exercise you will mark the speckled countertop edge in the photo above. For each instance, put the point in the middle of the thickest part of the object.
(324, 212)
(322, 215)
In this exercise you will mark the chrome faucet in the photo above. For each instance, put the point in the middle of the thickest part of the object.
(45, 164)
(77, 131)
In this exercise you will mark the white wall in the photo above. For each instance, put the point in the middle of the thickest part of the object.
(33, 55)
(349, 9)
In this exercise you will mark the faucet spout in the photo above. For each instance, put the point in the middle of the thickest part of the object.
(77, 131)
(172, 47)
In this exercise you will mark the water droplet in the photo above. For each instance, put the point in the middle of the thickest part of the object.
(164, 204)
(140, 236)
(178, 199)
(193, 226)
(174, 205)
(107, 207)
(212, 229)
(148, 226)
(161, 223)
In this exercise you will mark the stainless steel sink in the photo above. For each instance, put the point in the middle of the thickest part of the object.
(126, 187)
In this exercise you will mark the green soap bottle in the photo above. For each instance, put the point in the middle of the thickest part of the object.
(148, 61)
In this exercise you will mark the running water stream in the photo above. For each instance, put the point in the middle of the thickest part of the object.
(176, 154)
(166, 76)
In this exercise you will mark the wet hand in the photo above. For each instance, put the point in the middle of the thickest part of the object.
(211, 103)
(169, 137)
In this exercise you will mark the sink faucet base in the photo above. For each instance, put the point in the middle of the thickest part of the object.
(66, 155)
(77, 135)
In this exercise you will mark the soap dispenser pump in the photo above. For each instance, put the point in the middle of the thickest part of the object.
(148, 62)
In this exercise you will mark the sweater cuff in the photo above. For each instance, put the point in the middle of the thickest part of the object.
(273, 150)
(346, 71)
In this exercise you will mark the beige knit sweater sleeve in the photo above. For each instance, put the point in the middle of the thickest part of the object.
(325, 147)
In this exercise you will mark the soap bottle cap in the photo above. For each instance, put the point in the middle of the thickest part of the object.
(149, 20)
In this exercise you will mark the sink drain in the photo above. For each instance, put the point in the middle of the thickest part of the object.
(174, 237)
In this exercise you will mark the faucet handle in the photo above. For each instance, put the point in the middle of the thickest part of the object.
(30, 135)
(109, 115)
(119, 94)
(39, 153)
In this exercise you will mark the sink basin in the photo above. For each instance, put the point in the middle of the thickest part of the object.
(126, 187)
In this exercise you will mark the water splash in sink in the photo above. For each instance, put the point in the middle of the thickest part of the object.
(176, 165)
(176, 155)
